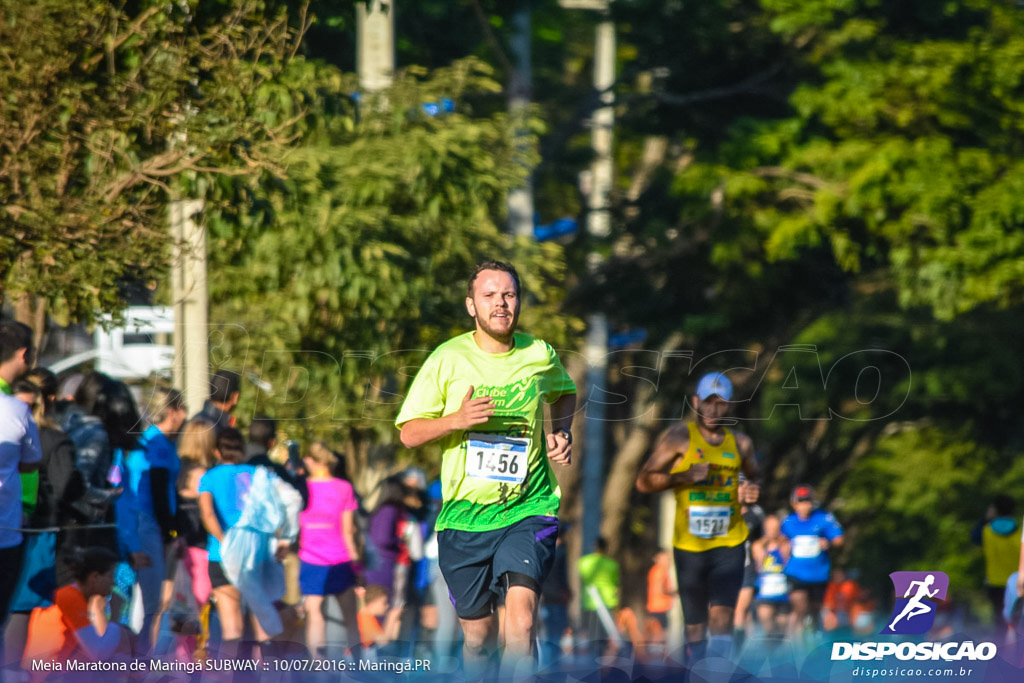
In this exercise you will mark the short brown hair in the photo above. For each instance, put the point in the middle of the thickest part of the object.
(15, 336)
(491, 264)
(230, 445)
(319, 453)
(373, 592)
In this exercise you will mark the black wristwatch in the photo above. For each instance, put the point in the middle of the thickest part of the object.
(564, 432)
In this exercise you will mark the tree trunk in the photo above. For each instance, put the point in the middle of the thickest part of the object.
(31, 310)
(620, 484)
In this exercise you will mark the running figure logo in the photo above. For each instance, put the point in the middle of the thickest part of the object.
(916, 597)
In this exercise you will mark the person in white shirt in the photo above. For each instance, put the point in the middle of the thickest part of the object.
(20, 452)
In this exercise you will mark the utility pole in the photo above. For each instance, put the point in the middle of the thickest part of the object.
(602, 125)
(598, 227)
(189, 292)
(520, 199)
(595, 351)
(188, 282)
(375, 50)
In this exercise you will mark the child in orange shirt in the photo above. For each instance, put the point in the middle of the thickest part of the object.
(371, 632)
(76, 625)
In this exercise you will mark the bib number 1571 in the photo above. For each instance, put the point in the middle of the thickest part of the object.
(709, 521)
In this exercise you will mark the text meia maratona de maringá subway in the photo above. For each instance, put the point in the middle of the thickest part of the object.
(157, 665)
(78, 665)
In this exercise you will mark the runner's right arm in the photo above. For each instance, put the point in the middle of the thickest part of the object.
(757, 552)
(672, 444)
(421, 431)
(209, 516)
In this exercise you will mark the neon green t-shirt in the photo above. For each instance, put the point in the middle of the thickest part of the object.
(603, 574)
(497, 473)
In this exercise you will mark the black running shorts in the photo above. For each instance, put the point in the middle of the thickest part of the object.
(815, 591)
(708, 578)
(478, 566)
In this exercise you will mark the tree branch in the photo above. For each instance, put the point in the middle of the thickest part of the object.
(803, 178)
(755, 84)
(513, 73)
(133, 28)
(305, 21)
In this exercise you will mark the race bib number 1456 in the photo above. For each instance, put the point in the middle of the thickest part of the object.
(496, 457)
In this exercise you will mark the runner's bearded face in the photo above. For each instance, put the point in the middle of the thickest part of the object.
(494, 304)
(711, 411)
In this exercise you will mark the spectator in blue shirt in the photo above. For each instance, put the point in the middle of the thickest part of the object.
(812, 532)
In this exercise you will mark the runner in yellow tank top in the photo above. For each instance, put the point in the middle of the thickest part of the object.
(708, 512)
(701, 461)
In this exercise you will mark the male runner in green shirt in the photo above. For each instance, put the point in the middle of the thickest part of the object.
(481, 396)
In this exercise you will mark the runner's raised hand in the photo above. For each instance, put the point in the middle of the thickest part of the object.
(474, 411)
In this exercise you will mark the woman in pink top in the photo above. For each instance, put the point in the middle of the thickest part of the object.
(327, 548)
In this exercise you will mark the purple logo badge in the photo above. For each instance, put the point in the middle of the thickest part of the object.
(916, 596)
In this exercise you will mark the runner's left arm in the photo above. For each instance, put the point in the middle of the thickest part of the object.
(562, 412)
(833, 531)
(559, 389)
(749, 466)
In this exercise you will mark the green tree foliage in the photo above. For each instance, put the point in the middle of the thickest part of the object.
(903, 151)
(913, 503)
(103, 106)
(352, 264)
(840, 176)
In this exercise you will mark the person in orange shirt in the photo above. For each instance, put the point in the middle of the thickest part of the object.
(840, 597)
(661, 595)
(76, 626)
(660, 591)
(371, 632)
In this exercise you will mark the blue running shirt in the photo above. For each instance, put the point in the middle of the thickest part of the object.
(807, 561)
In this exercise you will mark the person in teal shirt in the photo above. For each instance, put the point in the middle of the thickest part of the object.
(146, 511)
